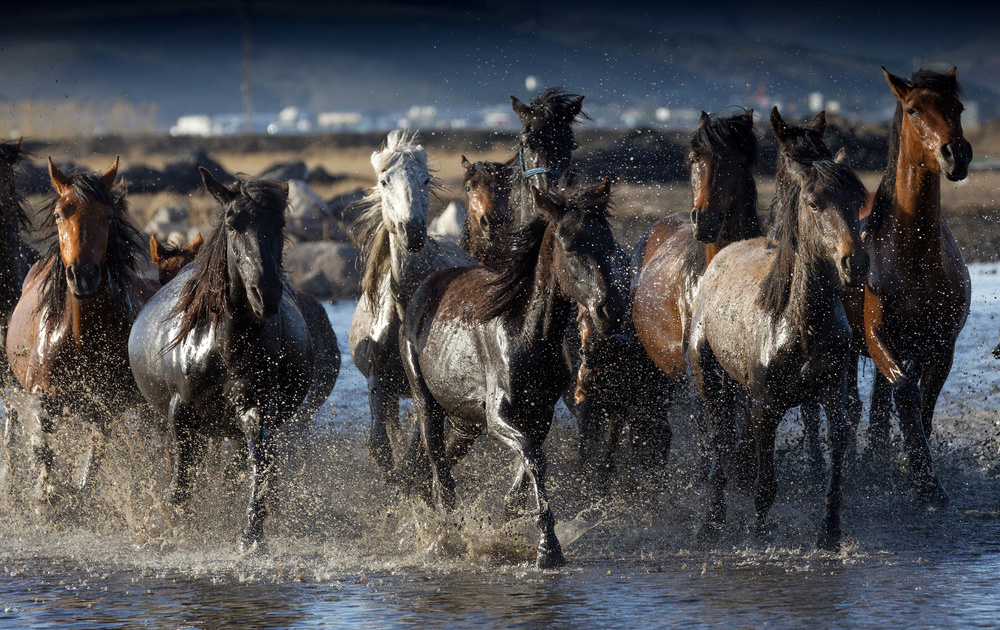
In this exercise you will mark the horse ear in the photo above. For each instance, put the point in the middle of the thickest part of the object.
(703, 119)
(284, 188)
(778, 126)
(196, 244)
(603, 190)
(59, 181)
(543, 203)
(748, 117)
(951, 73)
(154, 249)
(841, 157)
(575, 107)
(819, 123)
(522, 110)
(466, 164)
(899, 87)
(215, 188)
(111, 174)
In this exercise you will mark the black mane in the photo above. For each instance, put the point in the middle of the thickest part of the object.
(885, 196)
(12, 203)
(207, 290)
(126, 247)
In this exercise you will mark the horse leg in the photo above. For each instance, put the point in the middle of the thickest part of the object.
(852, 404)
(918, 451)
(384, 407)
(810, 439)
(39, 425)
(720, 418)
(535, 465)
(763, 423)
(257, 422)
(931, 381)
(834, 403)
(187, 447)
(881, 409)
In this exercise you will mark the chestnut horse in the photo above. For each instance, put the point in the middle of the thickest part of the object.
(223, 350)
(488, 218)
(326, 354)
(68, 336)
(15, 256)
(484, 348)
(768, 319)
(917, 296)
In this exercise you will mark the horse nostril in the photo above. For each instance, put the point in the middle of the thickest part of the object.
(694, 216)
(947, 153)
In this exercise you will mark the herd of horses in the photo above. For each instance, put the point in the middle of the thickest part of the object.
(537, 303)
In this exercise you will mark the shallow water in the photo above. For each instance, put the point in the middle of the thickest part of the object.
(347, 550)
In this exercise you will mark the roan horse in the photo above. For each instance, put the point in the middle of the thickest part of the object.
(67, 341)
(769, 319)
(15, 256)
(223, 349)
(326, 355)
(917, 296)
(398, 255)
(485, 347)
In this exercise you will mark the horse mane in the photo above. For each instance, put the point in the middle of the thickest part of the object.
(372, 234)
(885, 195)
(554, 103)
(775, 291)
(205, 292)
(126, 247)
(12, 202)
(510, 292)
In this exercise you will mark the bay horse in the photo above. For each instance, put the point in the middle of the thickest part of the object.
(488, 219)
(398, 254)
(16, 257)
(223, 349)
(768, 320)
(917, 296)
(484, 347)
(670, 258)
(67, 341)
(170, 260)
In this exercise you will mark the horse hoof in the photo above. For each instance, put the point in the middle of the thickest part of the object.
(933, 496)
(829, 541)
(550, 559)
(253, 548)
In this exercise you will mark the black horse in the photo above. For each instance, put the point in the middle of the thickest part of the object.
(15, 256)
(223, 349)
(485, 348)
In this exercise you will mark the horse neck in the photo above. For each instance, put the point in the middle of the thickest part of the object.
(741, 220)
(548, 311)
(813, 291)
(916, 213)
(401, 261)
(94, 315)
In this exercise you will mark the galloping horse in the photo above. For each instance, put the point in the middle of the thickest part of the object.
(397, 255)
(488, 218)
(485, 347)
(768, 319)
(326, 355)
(15, 256)
(67, 341)
(918, 293)
(223, 350)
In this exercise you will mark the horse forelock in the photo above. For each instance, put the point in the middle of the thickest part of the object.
(554, 103)
(731, 132)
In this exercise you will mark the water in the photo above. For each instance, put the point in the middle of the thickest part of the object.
(346, 550)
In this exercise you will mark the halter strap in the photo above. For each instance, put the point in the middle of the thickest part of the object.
(541, 169)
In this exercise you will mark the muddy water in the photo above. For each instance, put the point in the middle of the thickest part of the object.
(347, 550)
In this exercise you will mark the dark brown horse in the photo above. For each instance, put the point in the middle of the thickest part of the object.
(488, 218)
(68, 336)
(15, 256)
(768, 320)
(917, 296)
(485, 348)
(326, 355)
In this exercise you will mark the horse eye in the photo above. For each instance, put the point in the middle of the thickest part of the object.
(468, 189)
(911, 111)
(383, 183)
(427, 181)
(58, 217)
(812, 205)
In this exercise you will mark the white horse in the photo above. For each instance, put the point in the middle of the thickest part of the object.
(398, 255)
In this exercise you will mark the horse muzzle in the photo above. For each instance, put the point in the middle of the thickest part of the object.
(264, 304)
(415, 233)
(84, 279)
(706, 225)
(954, 159)
(607, 316)
(854, 268)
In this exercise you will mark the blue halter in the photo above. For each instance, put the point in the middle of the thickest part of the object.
(541, 169)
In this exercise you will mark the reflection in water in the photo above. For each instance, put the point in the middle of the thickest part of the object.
(348, 550)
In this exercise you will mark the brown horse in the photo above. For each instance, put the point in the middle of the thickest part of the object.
(169, 260)
(326, 355)
(488, 218)
(68, 337)
(768, 320)
(917, 296)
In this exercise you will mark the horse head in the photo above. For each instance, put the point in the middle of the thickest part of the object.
(83, 213)
(404, 183)
(723, 153)
(486, 200)
(546, 140)
(829, 194)
(170, 260)
(253, 221)
(583, 251)
(931, 118)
